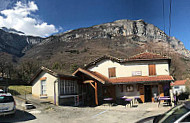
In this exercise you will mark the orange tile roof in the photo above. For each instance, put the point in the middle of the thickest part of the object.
(99, 75)
(141, 56)
(141, 79)
(94, 75)
(147, 55)
(42, 68)
(179, 82)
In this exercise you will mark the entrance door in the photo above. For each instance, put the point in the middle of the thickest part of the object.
(148, 93)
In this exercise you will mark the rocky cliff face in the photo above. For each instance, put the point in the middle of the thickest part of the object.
(16, 44)
(137, 30)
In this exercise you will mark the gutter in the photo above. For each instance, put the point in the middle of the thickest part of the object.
(55, 91)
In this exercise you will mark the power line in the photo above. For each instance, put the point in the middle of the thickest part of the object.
(163, 13)
(170, 19)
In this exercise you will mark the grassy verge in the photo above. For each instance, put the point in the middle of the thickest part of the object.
(187, 100)
(20, 90)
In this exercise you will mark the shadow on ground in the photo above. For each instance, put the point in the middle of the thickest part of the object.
(19, 116)
(147, 119)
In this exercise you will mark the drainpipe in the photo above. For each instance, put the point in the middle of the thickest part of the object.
(55, 91)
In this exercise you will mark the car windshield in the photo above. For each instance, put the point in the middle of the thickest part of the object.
(6, 99)
(173, 114)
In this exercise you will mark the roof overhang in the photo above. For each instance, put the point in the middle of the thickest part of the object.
(142, 79)
(44, 69)
(142, 82)
(90, 74)
(179, 83)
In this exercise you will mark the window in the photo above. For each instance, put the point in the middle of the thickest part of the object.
(68, 87)
(43, 87)
(173, 114)
(111, 72)
(129, 88)
(6, 99)
(152, 69)
(176, 87)
(186, 119)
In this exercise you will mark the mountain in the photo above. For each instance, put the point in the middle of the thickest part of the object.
(11, 30)
(14, 43)
(138, 31)
(122, 38)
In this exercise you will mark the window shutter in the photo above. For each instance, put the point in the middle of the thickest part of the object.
(112, 72)
(152, 69)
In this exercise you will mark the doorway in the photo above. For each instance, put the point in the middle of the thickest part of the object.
(148, 93)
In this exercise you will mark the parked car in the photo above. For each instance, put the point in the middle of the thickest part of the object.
(7, 104)
(1, 91)
(178, 114)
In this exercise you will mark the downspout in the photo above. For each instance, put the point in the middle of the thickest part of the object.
(55, 91)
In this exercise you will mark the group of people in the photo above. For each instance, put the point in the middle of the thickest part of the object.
(173, 96)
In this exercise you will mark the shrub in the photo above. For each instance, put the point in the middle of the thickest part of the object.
(73, 67)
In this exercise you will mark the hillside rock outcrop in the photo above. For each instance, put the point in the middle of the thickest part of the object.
(136, 30)
(16, 44)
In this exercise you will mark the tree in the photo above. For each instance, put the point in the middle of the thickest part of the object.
(27, 69)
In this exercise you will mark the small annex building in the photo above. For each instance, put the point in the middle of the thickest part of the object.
(57, 88)
(144, 75)
(178, 86)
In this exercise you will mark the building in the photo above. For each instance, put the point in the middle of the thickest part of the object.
(178, 86)
(145, 75)
(57, 88)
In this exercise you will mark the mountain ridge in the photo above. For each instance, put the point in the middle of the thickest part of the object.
(11, 30)
(122, 38)
(139, 30)
(16, 44)
(67, 51)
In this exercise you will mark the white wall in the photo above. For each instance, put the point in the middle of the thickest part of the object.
(126, 69)
(36, 88)
(124, 93)
(179, 90)
(162, 69)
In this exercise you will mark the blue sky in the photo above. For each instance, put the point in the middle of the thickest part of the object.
(62, 15)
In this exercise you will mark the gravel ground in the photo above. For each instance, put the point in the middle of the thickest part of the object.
(58, 114)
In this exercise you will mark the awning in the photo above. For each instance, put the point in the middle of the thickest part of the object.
(141, 79)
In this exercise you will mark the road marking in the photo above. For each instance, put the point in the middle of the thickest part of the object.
(35, 112)
(99, 113)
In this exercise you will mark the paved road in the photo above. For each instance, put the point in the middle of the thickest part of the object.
(59, 114)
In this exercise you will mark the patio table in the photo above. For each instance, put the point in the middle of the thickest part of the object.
(134, 98)
(128, 101)
(165, 98)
